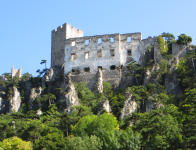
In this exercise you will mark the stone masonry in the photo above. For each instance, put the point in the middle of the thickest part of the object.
(82, 56)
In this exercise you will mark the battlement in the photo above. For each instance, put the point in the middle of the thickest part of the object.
(69, 31)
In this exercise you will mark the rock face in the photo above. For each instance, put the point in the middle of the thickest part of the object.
(150, 106)
(129, 106)
(2, 105)
(71, 98)
(39, 112)
(34, 94)
(15, 101)
(172, 85)
(149, 76)
(99, 84)
(104, 105)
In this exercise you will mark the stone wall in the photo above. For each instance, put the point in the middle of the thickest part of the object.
(59, 37)
(17, 73)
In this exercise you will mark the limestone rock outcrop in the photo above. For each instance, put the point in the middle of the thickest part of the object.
(104, 105)
(150, 106)
(71, 98)
(15, 101)
(35, 93)
(2, 105)
(130, 106)
(99, 84)
(39, 112)
(172, 85)
(149, 76)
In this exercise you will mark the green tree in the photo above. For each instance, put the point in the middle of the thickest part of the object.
(135, 70)
(81, 143)
(50, 97)
(15, 143)
(160, 129)
(184, 39)
(188, 107)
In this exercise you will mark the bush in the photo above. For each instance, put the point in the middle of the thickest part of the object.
(184, 39)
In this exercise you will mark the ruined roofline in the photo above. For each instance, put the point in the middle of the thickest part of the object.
(64, 26)
(110, 35)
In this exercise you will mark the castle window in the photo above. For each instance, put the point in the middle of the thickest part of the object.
(87, 69)
(121, 67)
(100, 67)
(112, 53)
(73, 70)
(113, 67)
(72, 56)
(128, 39)
(87, 42)
(112, 40)
(99, 53)
(129, 52)
(73, 43)
(99, 41)
(87, 55)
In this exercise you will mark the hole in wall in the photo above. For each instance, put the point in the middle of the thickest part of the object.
(112, 40)
(87, 55)
(87, 42)
(100, 67)
(129, 39)
(87, 69)
(99, 53)
(112, 53)
(113, 67)
(73, 43)
(73, 56)
(99, 41)
(73, 70)
(129, 52)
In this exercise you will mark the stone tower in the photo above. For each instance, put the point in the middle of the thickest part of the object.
(59, 37)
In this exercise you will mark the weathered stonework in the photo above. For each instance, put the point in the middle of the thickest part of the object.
(82, 56)
(16, 73)
(15, 101)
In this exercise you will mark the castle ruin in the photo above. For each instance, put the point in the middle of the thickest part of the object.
(81, 56)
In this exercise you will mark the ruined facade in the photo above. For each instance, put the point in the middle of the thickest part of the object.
(16, 73)
(82, 56)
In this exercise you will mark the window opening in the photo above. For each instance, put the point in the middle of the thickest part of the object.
(128, 39)
(112, 40)
(99, 53)
(73, 56)
(113, 67)
(129, 52)
(87, 42)
(87, 55)
(112, 53)
(87, 69)
(100, 67)
(99, 41)
(73, 43)
(73, 70)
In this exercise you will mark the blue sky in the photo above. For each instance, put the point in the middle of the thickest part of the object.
(26, 25)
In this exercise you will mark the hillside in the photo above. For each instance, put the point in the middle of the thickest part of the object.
(153, 109)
